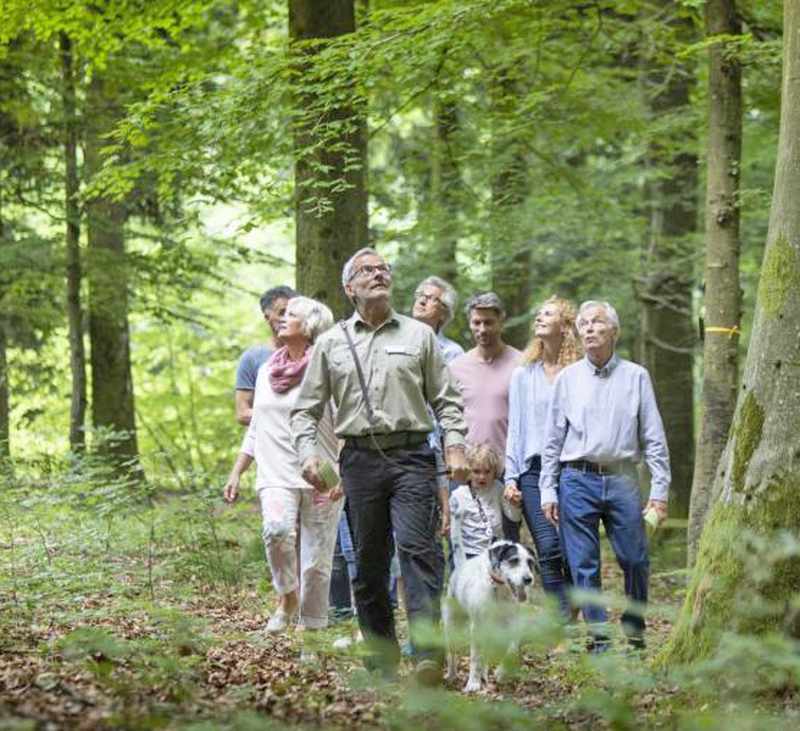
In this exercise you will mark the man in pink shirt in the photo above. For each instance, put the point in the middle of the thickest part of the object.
(484, 374)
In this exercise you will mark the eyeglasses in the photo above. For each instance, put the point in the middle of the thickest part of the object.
(369, 270)
(424, 298)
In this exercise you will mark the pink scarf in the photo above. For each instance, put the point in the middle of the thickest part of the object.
(285, 373)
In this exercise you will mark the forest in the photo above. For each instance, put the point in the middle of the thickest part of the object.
(162, 164)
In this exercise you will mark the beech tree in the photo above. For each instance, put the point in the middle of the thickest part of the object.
(330, 158)
(722, 297)
(77, 432)
(668, 332)
(756, 489)
(107, 273)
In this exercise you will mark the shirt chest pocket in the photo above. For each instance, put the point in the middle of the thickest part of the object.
(403, 362)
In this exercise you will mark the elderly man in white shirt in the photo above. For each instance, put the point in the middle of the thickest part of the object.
(602, 419)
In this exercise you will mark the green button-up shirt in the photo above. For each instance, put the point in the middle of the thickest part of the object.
(404, 370)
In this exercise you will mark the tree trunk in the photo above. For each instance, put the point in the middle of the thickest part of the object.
(330, 145)
(510, 254)
(5, 423)
(757, 485)
(446, 186)
(722, 293)
(668, 333)
(77, 433)
(106, 271)
(5, 430)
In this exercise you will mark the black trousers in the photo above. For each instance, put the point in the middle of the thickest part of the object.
(385, 503)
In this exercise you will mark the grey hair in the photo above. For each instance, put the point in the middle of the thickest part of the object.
(347, 270)
(611, 314)
(449, 295)
(317, 318)
(485, 301)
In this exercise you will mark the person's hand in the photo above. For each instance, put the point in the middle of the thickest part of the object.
(310, 472)
(661, 508)
(456, 460)
(445, 520)
(513, 494)
(231, 489)
(550, 511)
(336, 492)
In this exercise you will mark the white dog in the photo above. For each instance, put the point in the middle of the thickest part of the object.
(502, 574)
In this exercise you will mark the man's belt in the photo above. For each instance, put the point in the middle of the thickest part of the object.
(608, 468)
(395, 440)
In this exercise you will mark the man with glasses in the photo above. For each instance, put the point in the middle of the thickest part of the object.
(387, 466)
(435, 303)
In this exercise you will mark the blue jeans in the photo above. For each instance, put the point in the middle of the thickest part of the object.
(585, 499)
(545, 536)
(344, 568)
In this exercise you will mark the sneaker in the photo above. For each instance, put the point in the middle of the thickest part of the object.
(342, 643)
(428, 673)
(279, 621)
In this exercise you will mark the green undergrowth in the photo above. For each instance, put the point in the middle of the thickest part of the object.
(143, 609)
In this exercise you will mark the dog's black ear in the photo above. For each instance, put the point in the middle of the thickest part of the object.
(499, 552)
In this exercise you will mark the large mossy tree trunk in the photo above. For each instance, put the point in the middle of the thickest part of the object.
(330, 166)
(106, 271)
(77, 415)
(757, 484)
(510, 251)
(668, 333)
(722, 292)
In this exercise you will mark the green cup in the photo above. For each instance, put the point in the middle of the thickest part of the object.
(328, 475)
(652, 520)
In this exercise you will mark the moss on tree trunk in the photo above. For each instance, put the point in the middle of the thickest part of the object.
(756, 490)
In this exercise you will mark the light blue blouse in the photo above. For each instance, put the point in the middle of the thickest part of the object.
(528, 399)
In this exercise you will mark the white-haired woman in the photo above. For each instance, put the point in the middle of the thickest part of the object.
(285, 495)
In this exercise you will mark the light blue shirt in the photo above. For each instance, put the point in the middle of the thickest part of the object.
(604, 416)
(450, 348)
(528, 399)
(450, 351)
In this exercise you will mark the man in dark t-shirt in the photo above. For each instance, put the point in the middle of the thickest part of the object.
(273, 305)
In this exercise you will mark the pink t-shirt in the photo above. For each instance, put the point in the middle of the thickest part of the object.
(484, 387)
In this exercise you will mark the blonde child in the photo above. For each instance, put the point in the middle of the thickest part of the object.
(476, 509)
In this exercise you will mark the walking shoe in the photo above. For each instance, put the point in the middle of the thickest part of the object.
(428, 673)
(279, 621)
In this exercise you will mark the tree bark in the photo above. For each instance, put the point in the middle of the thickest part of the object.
(446, 186)
(106, 271)
(330, 146)
(5, 422)
(77, 432)
(668, 333)
(722, 292)
(756, 490)
(510, 254)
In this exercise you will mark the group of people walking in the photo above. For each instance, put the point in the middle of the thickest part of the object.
(419, 433)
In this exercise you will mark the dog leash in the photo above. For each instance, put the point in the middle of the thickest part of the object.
(426, 471)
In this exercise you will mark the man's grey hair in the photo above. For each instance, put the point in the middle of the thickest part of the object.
(449, 295)
(611, 314)
(317, 318)
(485, 301)
(347, 270)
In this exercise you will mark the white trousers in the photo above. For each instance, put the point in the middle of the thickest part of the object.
(280, 509)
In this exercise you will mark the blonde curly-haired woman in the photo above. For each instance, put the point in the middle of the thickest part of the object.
(555, 344)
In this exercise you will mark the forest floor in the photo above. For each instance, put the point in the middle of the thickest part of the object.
(96, 635)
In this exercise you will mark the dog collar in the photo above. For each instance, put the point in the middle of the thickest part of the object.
(495, 579)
